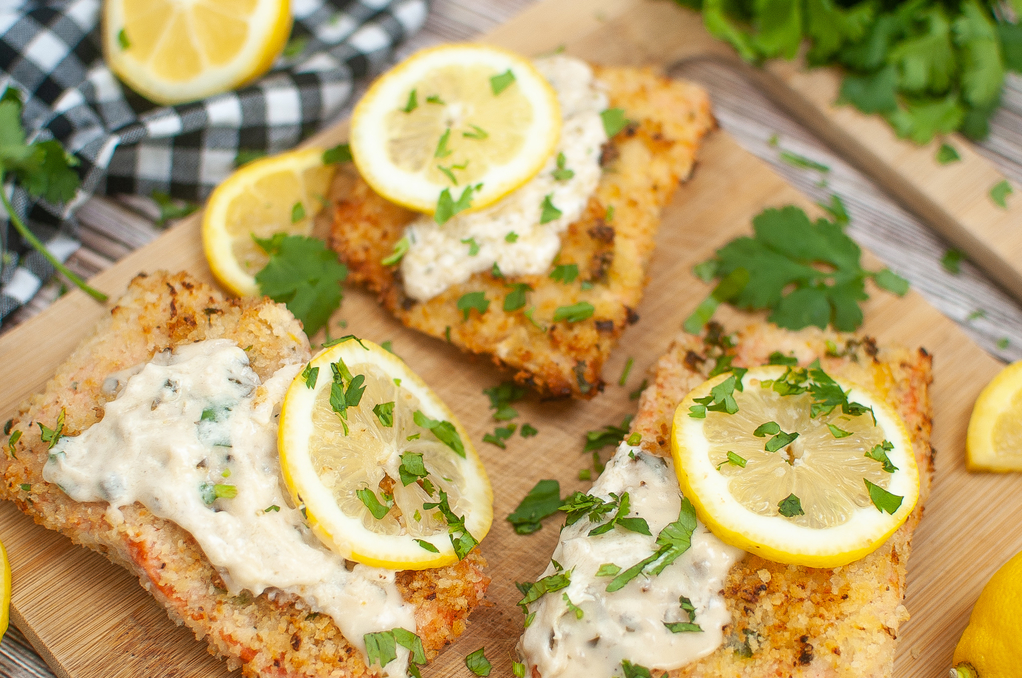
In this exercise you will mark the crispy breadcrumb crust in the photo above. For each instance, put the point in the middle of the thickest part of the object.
(268, 636)
(787, 620)
(643, 165)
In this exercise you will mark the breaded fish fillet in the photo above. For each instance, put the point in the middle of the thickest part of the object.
(642, 166)
(788, 620)
(267, 637)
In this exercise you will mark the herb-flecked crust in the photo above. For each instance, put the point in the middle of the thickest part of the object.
(643, 164)
(787, 620)
(276, 637)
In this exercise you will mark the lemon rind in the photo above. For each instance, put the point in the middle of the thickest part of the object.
(992, 402)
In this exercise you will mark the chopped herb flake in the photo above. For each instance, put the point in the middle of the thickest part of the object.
(947, 154)
(443, 430)
(542, 500)
(501, 82)
(368, 497)
(385, 413)
(790, 507)
(562, 173)
(613, 121)
(578, 312)
(734, 459)
(1000, 192)
(882, 499)
(515, 299)
(473, 300)
(473, 246)
(879, 453)
(565, 273)
(401, 248)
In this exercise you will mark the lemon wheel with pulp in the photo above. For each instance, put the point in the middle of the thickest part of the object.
(782, 477)
(387, 475)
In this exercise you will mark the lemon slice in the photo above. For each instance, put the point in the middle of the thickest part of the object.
(994, 440)
(399, 451)
(279, 194)
(5, 591)
(809, 502)
(173, 51)
(455, 116)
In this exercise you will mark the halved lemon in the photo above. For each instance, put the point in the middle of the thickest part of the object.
(174, 51)
(825, 498)
(399, 452)
(451, 117)
(994, 440)
(279, 194)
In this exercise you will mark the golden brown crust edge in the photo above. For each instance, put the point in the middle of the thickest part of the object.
(791, 621)
(267, 637)
(643, 165)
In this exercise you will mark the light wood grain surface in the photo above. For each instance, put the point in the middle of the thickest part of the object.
(91, 619)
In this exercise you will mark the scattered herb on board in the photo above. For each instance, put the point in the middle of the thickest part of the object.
(171, 209)
(952, 260)
(947, 154)
(1000, 192)
(303, 274)
(804, 272)
(607, 436)
(927, 67)
(501, 396)
(542, 501)
(477, 662)
(499, 435)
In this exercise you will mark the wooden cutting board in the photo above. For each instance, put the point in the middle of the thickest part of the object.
(91, 620)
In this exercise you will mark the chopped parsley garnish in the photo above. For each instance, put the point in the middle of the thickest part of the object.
(499, 435)
(623, 379)
(631, 670)
(273, 507)
(473, 300)
(683, 627)
(15, 437)
(426, 545)
(838, 432)
(443, 430)
(734, 459)
(501, 82)
(381, 647)
(368, 497)
(637, 393)
(609, 214)
(533, 591)
(473, 246)
(171, 208)
(385, 413)
(790, 507)
(337, 154)
(412, 468)
(721, 398)
(122, 39)
(340, 398)
(50, 436)
(562, 173)
(951, 261)
(572, 607)
(515, 299)
(447, 207)
(518, 669)
(495, 271)
(542, 501)
(549, 212)
(879, 453)
(297, 212)
(461, 539)
(608, 570)
(449, 174)
(947, 154)
(564, 273)
(477, 662)
(476, 133)
(401, 248)
(210, 492)
(634, 439)
(827, 394)
(295, 46)
(619, 518)
(608, 435)
(613, 121)
(511, 237)
(1003, 343)
(796, 160)
(673, 541)
(435, 99)
(527, 430)
(804, 272)
(1000, 192)
(27, 487)
(310, 374)
(780, 441)
(882, 499)
(574, 313)
(441, 148)
(778, 358)
(501, 397)
(303, 274)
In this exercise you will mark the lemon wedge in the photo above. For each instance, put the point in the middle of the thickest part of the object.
(994, 439)
(455, 118)
(279, 194)
(992, 642)
(387, 475)
(769, 477)
(174, 51)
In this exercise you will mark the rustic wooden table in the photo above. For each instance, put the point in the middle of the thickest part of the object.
(109, 228)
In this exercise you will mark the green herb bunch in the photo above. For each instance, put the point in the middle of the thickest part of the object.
(928, 66)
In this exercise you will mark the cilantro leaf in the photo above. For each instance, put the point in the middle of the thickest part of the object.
(501, 397)
(533, 591)
(515, 299)
(499, 83)
(613, 121)
(947, 154)
(385, 414)
(499, 435)
(473, 300)
(882, 499)
(631, 670)
(447, 207)
(303, 274)
(542, 500)
(443, 430)
(549, 212)
(790, 506)
(476, 661)
(951, 261)
(337, 154)
(879, 453)
(412, 468)
(920, 119)
(1000, 192)
(673, 540)
(564, 273)
(368, 498)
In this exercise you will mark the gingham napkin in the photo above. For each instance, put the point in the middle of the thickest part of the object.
(50, 51)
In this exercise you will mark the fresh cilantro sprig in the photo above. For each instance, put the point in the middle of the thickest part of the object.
(804, 272)
(927, 67)
(44, 170)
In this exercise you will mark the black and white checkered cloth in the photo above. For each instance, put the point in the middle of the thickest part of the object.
(51, 52)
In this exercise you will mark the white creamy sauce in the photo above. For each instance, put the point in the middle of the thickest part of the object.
(437, 257)
(189, 421)
(628, 624)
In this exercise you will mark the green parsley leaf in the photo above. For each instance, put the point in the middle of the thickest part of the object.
(572, 607)
(780, 441)
(443, 430)
(527, 431)
(790, 507)
(796, 160)
(549, 213)
(565, 273)
(879, 453)
(274, 508)
(122, 39)
(447, 207)
(297, 212)
(613, 121)
(435, 99)
(837, 432)
(338, 154)
(499, 83)
(426, 545)
(631, 670)
(683, 627)
(673, 540)
(310, 374)
(385, 413)
(501, 397)
(733, 459)
(295, 46)
(368, 498)
(578, 312)
(473, 300)
(518, 669)
(499, 435)
(1000, 192)
(476, 133)
(533, 591)
(50, 436)
(171, 209)
(303, 274)
(246, 156)
(511, 237)
(412, 468)
(473, 246)
(947, 154)
(1003, 343)
(441, 148)
(401, 248)
(608, 570)
(562, 173)
(413, 102)
(882, 499)
(515, 299)
(542, 500)
(607, 436)
(477, 662)
(951, 261)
